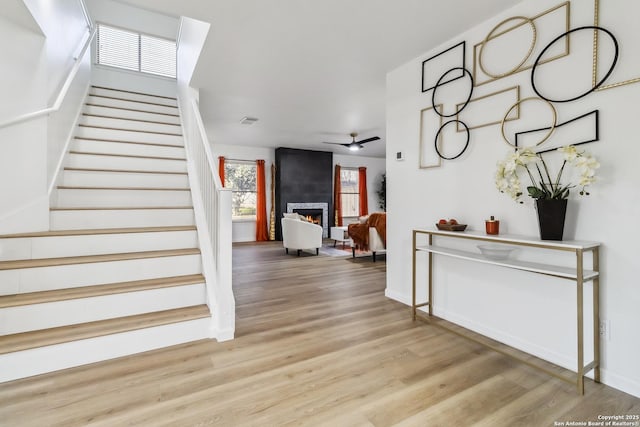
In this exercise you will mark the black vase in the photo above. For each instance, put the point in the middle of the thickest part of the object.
(551, 214)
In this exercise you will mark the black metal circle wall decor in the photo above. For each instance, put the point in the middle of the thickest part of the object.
(466, 144)
(435, 89)
(596, 85)
(552, 128)
(490, 37)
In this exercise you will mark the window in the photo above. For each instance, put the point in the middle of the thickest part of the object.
(130, 50)
(349, 194)
(240, 177)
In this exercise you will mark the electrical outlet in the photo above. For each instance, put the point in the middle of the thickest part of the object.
(605, 330)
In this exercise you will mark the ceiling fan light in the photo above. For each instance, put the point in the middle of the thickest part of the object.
(354, 147)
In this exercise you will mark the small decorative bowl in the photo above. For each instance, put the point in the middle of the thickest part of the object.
(451, 227)
(495, 252)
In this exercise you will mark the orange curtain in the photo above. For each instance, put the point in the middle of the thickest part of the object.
(362, 189)
(262, 233)
(337, 200)
(221, 169)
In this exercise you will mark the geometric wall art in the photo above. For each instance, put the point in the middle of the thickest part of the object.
(489, 109)
(505, 52)
(430, 122)
(548, 130)
(596, 43)
(439, 145)
(436, 66)
(592, 86)
(459, 107)
(579, 130)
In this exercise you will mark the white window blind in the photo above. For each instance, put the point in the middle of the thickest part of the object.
(134, 51)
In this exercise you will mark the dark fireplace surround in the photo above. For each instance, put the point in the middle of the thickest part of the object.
(303, 176)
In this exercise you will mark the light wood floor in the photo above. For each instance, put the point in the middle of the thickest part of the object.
(317, 344)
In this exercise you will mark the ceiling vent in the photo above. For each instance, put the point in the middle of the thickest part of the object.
(248, 120)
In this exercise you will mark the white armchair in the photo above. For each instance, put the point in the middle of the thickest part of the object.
(301, 235)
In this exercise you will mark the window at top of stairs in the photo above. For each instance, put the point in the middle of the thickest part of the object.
(134, 51)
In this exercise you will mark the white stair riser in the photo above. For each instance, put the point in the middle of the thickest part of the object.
(122, 179)
(129, 124)
(90, 161)
(95, 244)
(76, 275)
(88, 146)
(34, 317)
(128, 114)
(74, 198)
(98, 100)
(79, 220)
(40, 360)
(133, 96)
(125, 135)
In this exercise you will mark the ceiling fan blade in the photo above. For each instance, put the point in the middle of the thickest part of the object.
(336, 143)
(375, 138)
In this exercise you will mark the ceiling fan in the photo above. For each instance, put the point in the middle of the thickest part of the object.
(355, 145)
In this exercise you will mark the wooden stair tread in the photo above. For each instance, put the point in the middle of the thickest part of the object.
(63, 334)
(133, 92)
(118, 208)
(132, 100)
(135, 156)
(129, 130)
(58, 233)
(66, 187)
(91, 104)
(120, 141)
(131, 120)
(97, 290)
(87, 259)
(123, 171)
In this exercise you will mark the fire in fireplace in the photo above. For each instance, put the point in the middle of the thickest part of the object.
(312, 215)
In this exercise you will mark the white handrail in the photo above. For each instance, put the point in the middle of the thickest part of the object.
(61, 94)
(205, 139)
(212, 207)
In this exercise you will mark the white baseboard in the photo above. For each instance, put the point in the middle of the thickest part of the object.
(224, 335)
(621, 383)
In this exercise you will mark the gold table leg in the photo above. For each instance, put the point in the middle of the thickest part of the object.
(579, 292)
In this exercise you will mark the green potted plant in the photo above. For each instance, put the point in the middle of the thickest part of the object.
(382, 193)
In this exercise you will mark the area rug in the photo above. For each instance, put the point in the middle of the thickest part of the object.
(340, 251)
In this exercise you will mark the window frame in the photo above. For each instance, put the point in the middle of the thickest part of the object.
(139, 35)
(357, 192)
(243, 218)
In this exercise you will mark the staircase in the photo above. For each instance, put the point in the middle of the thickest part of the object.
(120, 271)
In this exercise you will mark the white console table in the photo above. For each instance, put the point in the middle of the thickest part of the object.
(576, 273)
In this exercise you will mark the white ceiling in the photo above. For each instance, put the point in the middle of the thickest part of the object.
(312, 70)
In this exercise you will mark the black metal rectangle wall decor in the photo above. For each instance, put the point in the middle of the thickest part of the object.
(434, 67)
(593, 116)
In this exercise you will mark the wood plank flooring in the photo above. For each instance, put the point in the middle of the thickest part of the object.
(317, 344)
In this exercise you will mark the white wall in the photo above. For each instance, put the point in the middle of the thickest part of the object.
(245, 230)
(534, 313)
(65, 27)
(37, 67)
(125, 16)
(375, 168)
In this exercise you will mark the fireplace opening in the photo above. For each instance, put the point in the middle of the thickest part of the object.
(312, 215)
